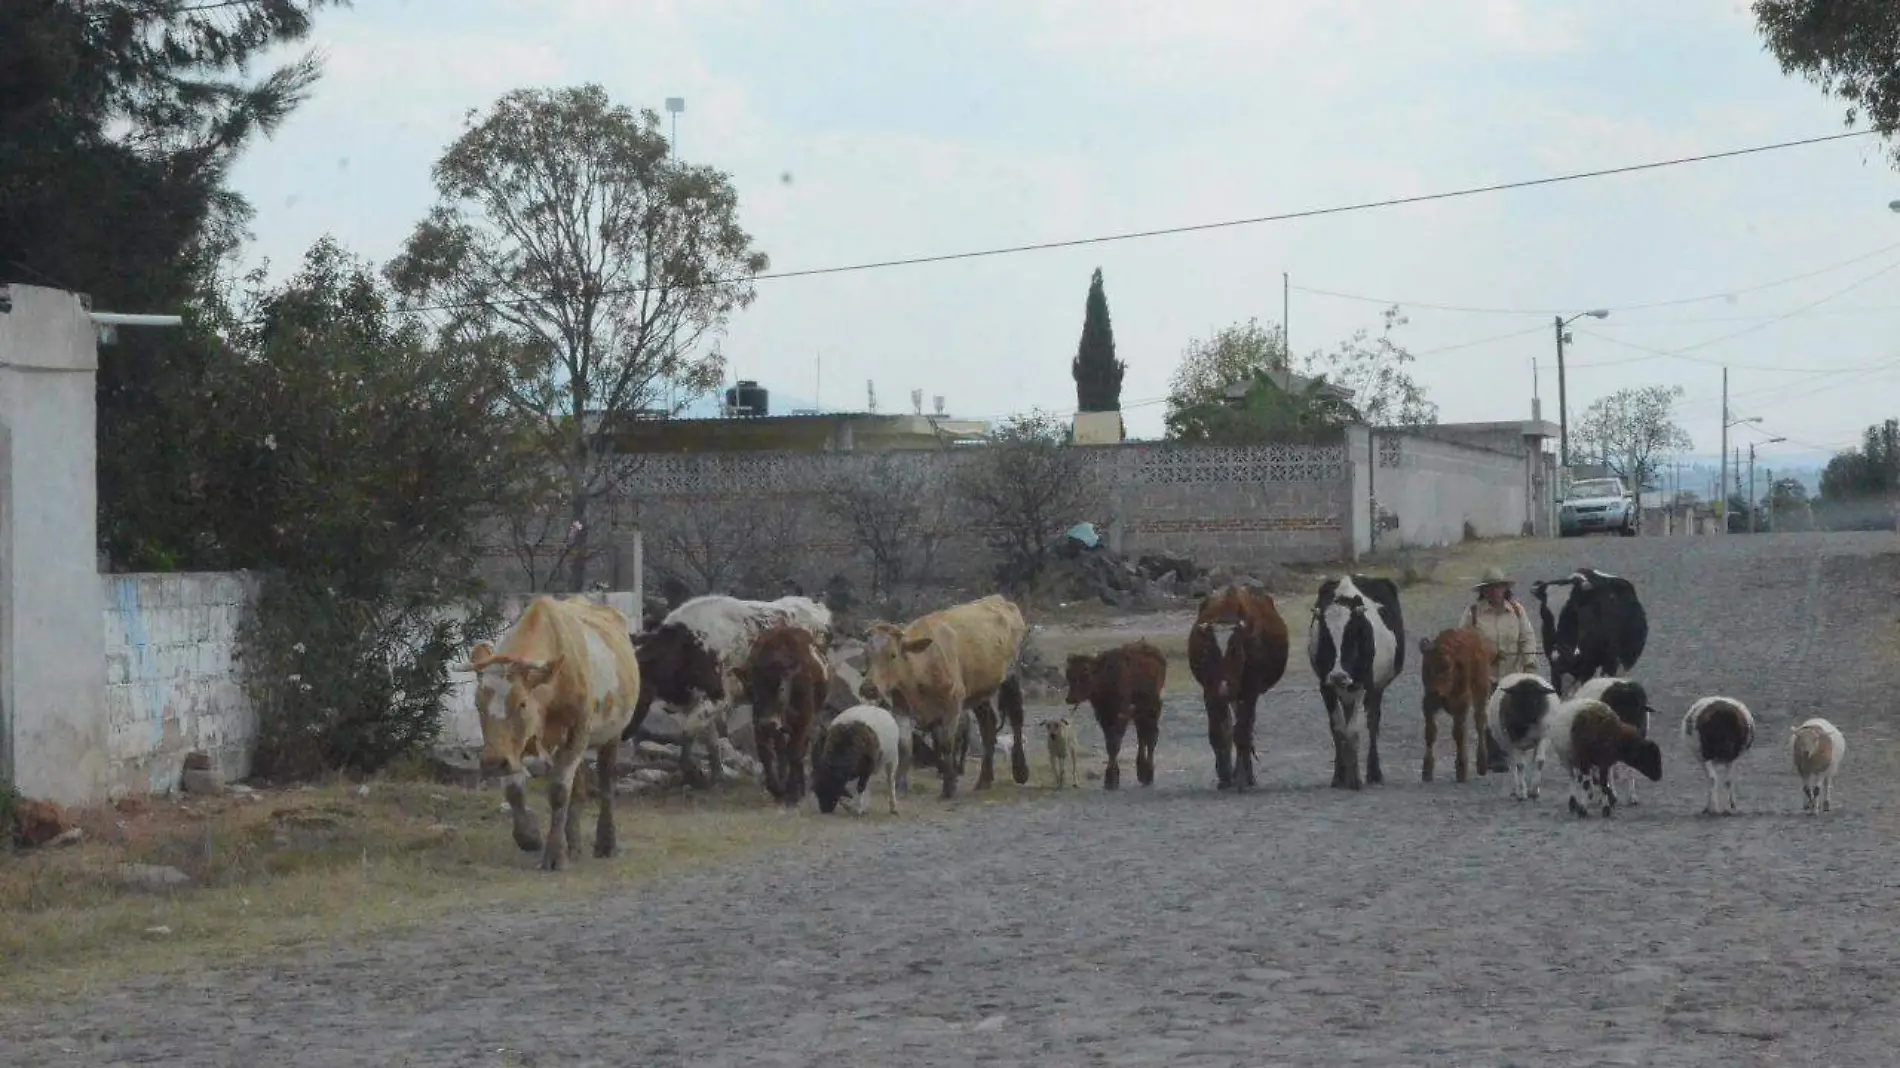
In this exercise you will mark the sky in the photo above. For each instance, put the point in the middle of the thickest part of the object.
(866, 131)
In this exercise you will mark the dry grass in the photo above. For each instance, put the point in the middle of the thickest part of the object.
(274, 870)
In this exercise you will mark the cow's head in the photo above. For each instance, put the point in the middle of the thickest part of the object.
(1345, 640)
(1080, 674)
(511, 699)
(891, 659)
(1436, 666)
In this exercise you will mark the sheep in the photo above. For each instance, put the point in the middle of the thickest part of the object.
(1817, 747)
(1062, 758)
(1518, 711)
(1586, 736)
(1722, 729)
(862, 741)
(1630, 702)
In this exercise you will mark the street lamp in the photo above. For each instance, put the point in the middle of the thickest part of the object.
(1752, 508)
(675, 105)
(1563, 408)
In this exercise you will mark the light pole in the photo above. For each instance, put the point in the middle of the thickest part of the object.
(1563, 408)
(675, 105)
(1721, 488)
(1752, 508)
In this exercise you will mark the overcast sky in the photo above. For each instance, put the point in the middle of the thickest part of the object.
(913, 129)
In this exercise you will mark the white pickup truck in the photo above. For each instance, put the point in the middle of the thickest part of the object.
(1598, 504)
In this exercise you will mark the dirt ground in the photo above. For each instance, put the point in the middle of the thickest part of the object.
(1409, 924)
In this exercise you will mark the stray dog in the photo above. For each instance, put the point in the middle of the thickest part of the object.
(1062, 752)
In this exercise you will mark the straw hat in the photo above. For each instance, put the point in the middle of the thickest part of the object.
(1493, 576)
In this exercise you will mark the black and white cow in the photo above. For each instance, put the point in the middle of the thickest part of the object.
(1600, 631)
(1630, 702)
(690, 663)
(1356, 644)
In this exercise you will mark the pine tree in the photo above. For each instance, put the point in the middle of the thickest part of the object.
(1098, 374)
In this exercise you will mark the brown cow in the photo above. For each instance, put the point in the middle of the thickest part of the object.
(562, 680)
(1457, 672)
(1234, 670)
(964, 656)
(785, 679)
(1122, 685)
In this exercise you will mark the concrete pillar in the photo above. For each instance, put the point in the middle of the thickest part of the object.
(52, 604)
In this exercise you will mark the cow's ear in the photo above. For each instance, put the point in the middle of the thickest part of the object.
(478, 658)
(1424, 645)
(918, 645)
(536, 672)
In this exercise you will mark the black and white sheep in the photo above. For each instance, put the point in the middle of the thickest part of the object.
(1588, 739)
(1518, 711)
(1720, 729)
(863, 740)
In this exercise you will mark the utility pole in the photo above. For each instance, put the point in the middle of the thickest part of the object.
(1722, 479)
(1563, 408)
(1286, 317)
(1751, 488)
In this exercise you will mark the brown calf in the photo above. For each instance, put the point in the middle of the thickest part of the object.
(1457, 672)
(786, 680)
(1122, 685)
(1234, 669)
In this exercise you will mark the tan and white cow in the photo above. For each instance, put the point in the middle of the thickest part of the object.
(563, 680)
(964, 656)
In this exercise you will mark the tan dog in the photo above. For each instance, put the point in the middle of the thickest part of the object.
(1062, 752)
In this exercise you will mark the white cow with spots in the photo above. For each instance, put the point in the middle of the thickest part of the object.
(691, 662)
(1356, 645)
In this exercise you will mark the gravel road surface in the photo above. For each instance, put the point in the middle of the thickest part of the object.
(1412, 924)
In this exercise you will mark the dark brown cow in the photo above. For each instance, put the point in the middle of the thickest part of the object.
(1234, 670)
(785, 679)
(1122, 685)
(1457, 670)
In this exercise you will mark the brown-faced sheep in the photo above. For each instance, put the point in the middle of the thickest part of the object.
(1817, 747)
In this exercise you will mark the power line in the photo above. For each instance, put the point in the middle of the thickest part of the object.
(1079, 242)
(1723, 295)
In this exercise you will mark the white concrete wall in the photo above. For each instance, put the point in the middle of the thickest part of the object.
(1435, 487)
(172, 682)
(52, 663)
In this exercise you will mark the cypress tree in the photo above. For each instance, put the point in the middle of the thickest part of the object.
(1098, 374)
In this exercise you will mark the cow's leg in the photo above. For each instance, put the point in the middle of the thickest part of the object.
(576, 804)
(1336, 724)
(986, 722)
(693, 727)
(1460, 717)
(1147, 733)
(890, 784)
(765, 740)
(565, 765)
(527, 833)
(1113, 730)
(605, 842)
(1244, 711)
(1220, 738)
(1481, 730)
(904, 758)
(1009, 701)
(940, 736)
(1430, 765)
(794, 759)
(715, 730)
(1714, 805)
(1374, 710)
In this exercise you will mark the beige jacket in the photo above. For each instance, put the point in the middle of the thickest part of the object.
(1510, 634)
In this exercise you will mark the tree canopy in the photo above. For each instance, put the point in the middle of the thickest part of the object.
(1098, 374)
(1383, 391)
(598, 264)
(1631, 432)
(1850, 49)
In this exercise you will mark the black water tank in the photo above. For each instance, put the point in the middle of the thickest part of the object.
(746, 398)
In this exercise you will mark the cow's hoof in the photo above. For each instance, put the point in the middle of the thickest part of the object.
(1576, 806)
(1019, 766)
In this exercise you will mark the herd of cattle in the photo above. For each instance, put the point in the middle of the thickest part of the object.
(570, 676)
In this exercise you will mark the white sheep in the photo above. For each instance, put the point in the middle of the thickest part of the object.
(1817, 747)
